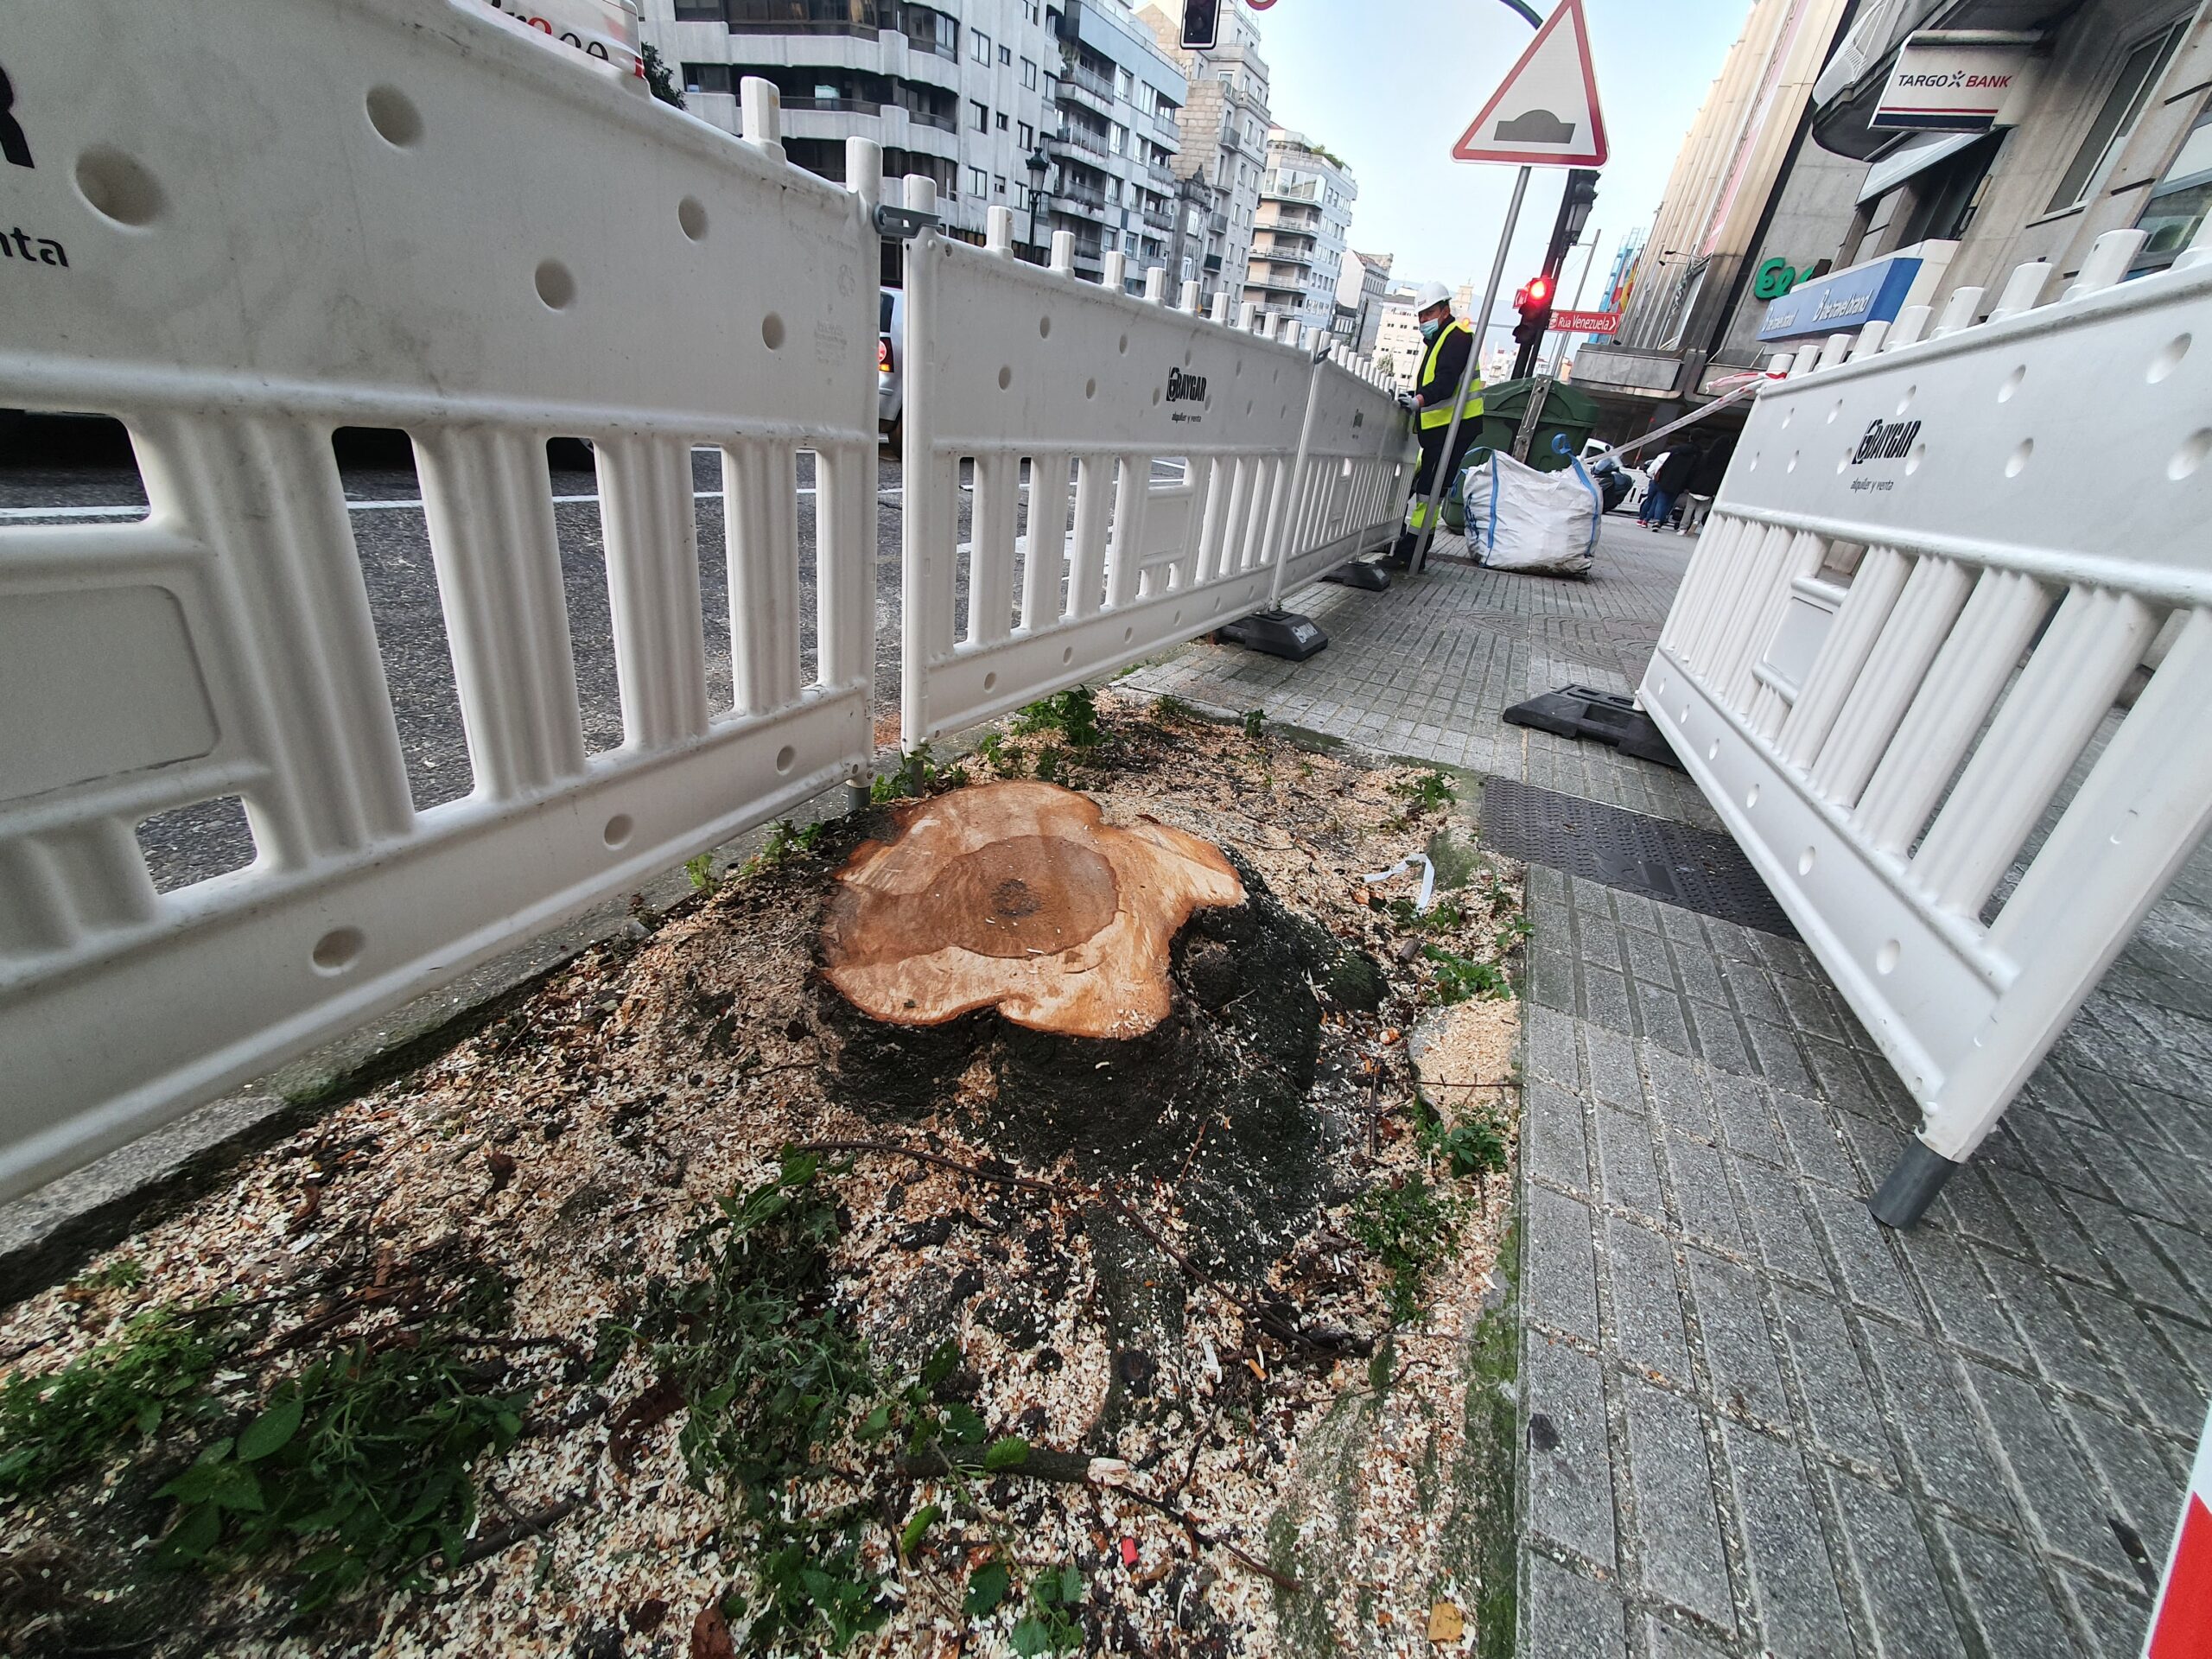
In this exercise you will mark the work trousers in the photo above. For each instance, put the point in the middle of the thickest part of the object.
(1432, 457)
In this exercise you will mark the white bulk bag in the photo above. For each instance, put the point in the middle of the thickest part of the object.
(1519, 518)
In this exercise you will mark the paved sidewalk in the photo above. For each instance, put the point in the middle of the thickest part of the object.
(1755, 1420)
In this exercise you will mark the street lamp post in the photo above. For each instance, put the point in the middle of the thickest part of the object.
(1039, 164)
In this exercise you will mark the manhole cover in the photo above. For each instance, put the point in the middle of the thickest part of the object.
(1694, 869)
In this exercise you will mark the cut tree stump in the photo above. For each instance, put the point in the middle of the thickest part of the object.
(1018, 897)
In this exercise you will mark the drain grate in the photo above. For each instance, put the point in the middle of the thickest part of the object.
(1694, 869)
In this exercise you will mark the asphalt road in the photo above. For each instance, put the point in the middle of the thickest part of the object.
(80, 470)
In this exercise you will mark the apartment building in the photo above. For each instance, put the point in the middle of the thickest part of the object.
(1361, 284)
(1065, 112)
(1223, 152)
(1113, 146)
(1301, 237)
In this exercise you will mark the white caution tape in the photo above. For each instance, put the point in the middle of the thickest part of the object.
(1427, 879)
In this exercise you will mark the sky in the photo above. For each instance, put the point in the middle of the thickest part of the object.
(1391, 84)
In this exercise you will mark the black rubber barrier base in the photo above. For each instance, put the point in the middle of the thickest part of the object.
(1912, 1186)
(1279, 633)
(1367, 578)
(1583, 711)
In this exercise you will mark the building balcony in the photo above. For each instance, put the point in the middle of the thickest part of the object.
(1075, 137)
(1089, 81)
(1290, 258)
(930, 118)
(861, 18)
(837, 105)
(1160, 218)
(1163, 176)
(1080, 205)
(1219, 225)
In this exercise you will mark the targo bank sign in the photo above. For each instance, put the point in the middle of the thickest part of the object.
(1957, 80)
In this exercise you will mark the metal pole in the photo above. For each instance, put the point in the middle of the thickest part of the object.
(1560, 350)
(1480, 324)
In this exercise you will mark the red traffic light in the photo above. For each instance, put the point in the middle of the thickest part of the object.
(1539, 290)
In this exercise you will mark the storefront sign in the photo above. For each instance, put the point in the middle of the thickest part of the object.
(1843, 301)
(1956, 81)
(1774, 278)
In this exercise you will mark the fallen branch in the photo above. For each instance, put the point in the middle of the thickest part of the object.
(1273, 1323)
(528, 1526)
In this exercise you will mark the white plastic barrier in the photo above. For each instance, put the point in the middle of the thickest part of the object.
(1080, 556)
(2027, 506)
(273, 217)
(1355, 463)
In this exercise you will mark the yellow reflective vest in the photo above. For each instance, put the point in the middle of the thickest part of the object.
(1435, 388)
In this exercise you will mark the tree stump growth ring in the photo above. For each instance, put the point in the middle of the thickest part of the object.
(1019, 896)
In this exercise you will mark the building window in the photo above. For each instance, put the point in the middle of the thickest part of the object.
(2179, 199)
(932, 31)
(998, 184)
(1001, 119)
(1029, 74)
(982, 116)
(1006, 56)
(2115, 122)
(699, 11)
(1118, 140)
(1028, 136)
(1685, 301)
(706, 77)
(979, 46)
(979, 182)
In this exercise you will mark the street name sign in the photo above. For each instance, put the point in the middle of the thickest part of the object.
(1545, 112)
(1586, 322)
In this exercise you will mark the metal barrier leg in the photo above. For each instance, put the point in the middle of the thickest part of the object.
(1917, 1177)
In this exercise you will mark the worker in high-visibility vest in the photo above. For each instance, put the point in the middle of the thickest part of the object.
(1444, 359)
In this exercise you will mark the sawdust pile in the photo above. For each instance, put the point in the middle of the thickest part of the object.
(1286, 1467)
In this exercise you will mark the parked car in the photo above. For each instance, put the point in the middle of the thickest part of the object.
(890, 355)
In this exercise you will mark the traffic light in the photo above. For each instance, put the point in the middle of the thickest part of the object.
(1201, 22)
(1533, 303)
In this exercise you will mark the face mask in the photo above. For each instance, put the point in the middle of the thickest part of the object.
(1430, 328)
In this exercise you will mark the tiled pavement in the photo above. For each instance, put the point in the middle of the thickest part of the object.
(1756, 1422)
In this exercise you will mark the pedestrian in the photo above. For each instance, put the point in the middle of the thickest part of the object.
(1676, 469)
(1705, 484)
(1450, 342)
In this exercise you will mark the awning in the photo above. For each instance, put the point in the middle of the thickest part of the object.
(1910, 157)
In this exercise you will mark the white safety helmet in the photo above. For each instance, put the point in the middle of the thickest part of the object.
(1430, 294)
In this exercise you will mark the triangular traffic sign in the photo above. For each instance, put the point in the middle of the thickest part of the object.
(1545, 112)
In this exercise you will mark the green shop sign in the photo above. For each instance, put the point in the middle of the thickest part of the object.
(1774, 278)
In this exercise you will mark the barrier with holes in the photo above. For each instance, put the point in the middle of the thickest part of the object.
(1090, 478)
(411, 214)
(1942, 659)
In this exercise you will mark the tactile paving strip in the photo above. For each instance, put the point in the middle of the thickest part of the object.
(1691, 868)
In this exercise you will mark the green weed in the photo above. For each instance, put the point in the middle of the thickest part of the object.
(701, 869)
(1473, 1145)
(1172, 711)
(785, 842)
(362, 1461)
(113, 1398)
(1002, 761)
(1072, 714)
(1424, 792)
(1458, 978)
(1410, 1228)
(771, 1373)
(1255, 724)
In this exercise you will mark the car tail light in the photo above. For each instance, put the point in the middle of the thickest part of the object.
(883, 356)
